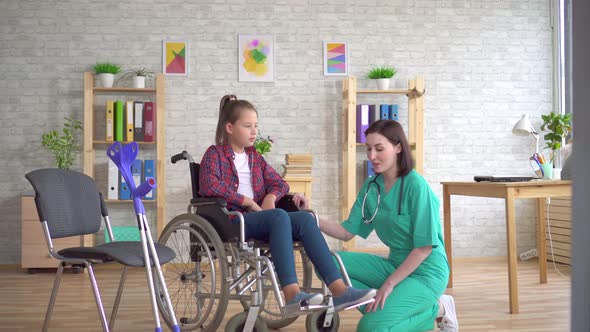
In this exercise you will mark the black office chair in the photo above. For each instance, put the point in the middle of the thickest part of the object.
(69, 204)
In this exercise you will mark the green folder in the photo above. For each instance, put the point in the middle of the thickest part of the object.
(119, 122)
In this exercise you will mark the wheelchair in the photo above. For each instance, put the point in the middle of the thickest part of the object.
(215, 263)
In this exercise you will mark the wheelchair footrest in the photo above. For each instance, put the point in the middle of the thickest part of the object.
(358, 304)
(296, 310)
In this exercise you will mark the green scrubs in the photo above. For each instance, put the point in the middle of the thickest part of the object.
(413, 303)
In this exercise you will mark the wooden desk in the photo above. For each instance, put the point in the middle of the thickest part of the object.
(509, 191)
(300, 184)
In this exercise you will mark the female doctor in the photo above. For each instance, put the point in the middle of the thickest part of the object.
(400, 206)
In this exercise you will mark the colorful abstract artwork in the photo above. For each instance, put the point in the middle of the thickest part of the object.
(335, 58)
(175, 58)
(256, 58)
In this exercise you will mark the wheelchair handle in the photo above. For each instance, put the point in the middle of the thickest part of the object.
(181, 156)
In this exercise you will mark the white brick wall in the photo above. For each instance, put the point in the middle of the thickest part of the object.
(485, 63)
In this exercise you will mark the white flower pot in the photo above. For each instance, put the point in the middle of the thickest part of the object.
(106, 80)
(383, 83)
(556, 175)
(139, 82)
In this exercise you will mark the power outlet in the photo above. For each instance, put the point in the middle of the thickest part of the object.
(528, 254)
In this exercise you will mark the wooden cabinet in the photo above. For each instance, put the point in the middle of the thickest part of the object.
(300, 185)
(558, 215)
(34, 250)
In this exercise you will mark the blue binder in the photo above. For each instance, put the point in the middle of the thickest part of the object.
(393, 112)
(136, 171)
(124, 192)
(149, 171)
(370, 170)
(384, 114)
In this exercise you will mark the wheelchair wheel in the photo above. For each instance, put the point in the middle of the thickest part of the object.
(237, 322)
(269, 310)
(197, 277)
(315, 322)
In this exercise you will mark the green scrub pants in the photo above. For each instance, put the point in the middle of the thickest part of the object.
(411, 306)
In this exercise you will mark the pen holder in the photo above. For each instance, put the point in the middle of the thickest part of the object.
(547, 171)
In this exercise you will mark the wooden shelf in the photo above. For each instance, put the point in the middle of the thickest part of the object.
(121, 201)
(384, 92)
(107, 142)
(157, 149)
(123, 90)
(415, 132)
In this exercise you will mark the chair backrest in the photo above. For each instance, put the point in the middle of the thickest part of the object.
(194, 169)
(69, 201)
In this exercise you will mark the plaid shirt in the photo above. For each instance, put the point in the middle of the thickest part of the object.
(218, 177)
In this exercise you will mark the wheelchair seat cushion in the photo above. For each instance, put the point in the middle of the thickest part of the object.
(127, 253)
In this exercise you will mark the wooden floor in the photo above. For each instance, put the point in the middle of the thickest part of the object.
(480, 292)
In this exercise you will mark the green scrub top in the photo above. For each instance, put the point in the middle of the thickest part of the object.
(416, 225)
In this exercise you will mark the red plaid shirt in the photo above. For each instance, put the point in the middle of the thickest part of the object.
(218, 177)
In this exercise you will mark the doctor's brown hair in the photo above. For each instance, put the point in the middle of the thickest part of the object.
(395, 134)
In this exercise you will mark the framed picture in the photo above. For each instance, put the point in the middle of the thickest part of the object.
(175, 58)
(256, 58)
(335, 58)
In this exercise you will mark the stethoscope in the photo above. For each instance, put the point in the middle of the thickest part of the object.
(374, 182)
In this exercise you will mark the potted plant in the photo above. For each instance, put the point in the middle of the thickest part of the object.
(559, 126)
(263, 145)
(383, 75)
(138, 74)
(64, 147)
(106, 73)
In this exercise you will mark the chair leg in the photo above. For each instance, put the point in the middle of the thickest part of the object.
(53, 296)
(102, 316)
(118, 298)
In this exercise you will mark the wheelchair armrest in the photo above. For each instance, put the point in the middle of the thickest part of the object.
(286, 203)
(209, 201)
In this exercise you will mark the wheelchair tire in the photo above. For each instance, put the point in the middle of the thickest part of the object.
(315, 322)
(237, 322)
(197, 278)
(269, 310)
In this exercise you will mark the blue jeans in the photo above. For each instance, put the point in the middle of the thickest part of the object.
(280, 229)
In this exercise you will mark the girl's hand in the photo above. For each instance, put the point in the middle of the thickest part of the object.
(380, 298)
(301, 201)
(254, 208)
(251, 205)
(269, 202)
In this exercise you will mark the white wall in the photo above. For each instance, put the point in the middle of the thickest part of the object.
(485, 63)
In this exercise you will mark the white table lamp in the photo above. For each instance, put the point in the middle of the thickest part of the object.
(524, 128)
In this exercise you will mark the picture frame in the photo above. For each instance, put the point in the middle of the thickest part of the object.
(336, 58)
(175, 57)
(256, 58)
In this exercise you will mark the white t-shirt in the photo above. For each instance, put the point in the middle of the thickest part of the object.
(244, 174)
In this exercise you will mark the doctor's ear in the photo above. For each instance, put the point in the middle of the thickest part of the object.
(397, 148)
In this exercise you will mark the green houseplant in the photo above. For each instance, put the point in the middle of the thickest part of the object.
(106, 72)
(383, 75)
(64, 146)
(138, 74)
(559, 126)
(263, 145)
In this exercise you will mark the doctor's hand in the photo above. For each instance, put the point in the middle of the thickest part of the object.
(301, 201)
(382, 295)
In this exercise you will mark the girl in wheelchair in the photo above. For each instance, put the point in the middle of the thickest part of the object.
(233, 170)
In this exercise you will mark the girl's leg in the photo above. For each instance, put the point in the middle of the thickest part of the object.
(273, 226)
(304, 228)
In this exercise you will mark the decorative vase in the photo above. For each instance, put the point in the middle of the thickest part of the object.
(383, 83)
(106, 80)
(139, 82)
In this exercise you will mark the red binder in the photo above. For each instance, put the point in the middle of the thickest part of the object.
(149, 118)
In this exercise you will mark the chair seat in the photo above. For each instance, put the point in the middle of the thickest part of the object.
(127, 253)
